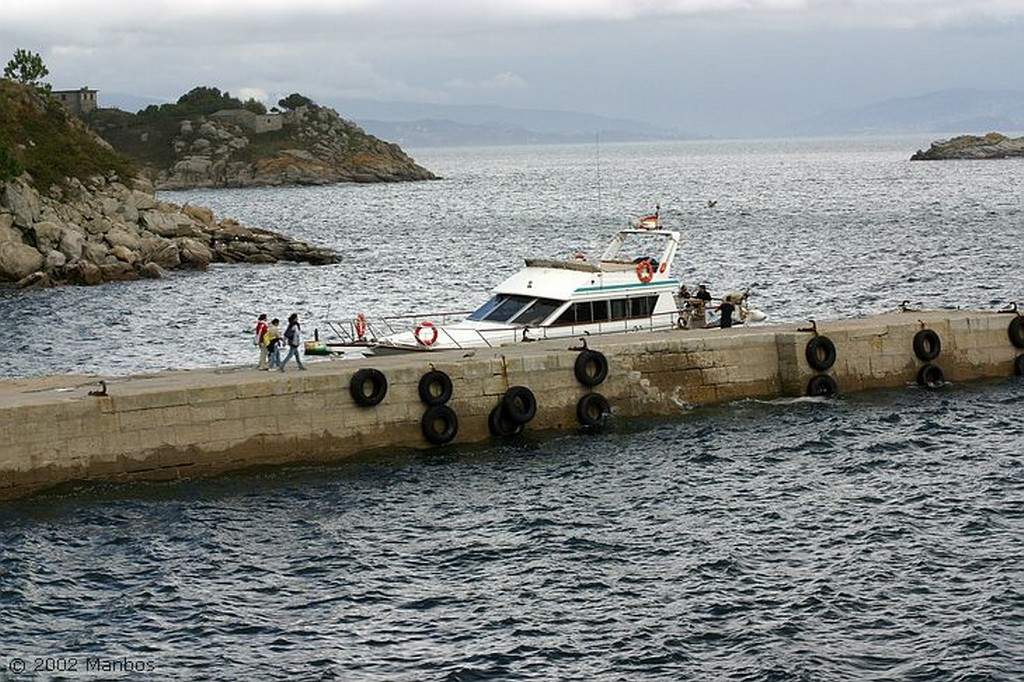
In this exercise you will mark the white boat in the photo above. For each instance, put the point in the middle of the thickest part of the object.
(631, 288)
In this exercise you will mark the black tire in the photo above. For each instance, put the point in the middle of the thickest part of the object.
(821, 353)
(591, 367)
(440, 424)
(927, 345)
(1016, 331)
(435, 388)
(1018, 366)
(822, 386)
(500, 425)
(930, 376)
(592, 409)
(519, 404)
(373, 379)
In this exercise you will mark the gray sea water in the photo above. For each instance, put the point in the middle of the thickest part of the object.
(876, 536)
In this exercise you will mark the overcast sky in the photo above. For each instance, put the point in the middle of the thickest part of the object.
(702, 66)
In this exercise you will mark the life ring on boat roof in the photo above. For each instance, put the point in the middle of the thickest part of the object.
(591, 367)
(372, 379)
(644, 271)
(360, 326)
(440, 424)
(927, 345)
(430, 339)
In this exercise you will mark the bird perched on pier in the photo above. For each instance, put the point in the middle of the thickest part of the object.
(102, 390)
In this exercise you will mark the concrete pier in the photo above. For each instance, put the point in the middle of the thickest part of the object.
(196, 423)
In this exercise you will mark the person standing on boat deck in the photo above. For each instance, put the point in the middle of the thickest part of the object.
(261, 339)
(293, 335)
(274, 344)
(701, 298)
(725, 309)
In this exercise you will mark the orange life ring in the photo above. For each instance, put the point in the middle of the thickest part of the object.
(360, 326)
(645, 271)
(430, 340)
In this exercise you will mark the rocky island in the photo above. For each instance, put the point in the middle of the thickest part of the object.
(991, 146)
(210, 139)
(75, 211)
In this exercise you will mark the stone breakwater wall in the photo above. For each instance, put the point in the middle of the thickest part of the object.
(192, 424)
(104, 230)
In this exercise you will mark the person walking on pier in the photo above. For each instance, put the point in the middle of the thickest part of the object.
(274, 344)
(261, 339)
(293, 335)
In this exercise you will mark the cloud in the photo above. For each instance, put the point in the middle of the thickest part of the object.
(505, 80)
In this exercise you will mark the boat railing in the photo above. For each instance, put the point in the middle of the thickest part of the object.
(368, 330)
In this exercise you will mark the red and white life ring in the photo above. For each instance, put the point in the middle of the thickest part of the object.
(431, 339)
(645, 271)
(360, 326)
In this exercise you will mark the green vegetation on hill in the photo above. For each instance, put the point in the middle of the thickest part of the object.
(38, 136)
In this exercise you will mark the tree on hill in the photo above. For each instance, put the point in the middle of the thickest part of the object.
(294, 101)
(27, 68)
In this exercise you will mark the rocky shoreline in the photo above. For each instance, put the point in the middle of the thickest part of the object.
(991, 146)
(104, 230)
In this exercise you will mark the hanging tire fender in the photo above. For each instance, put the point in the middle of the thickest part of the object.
(440, 424)
(1016, 331)
(591, 367)
(500, 425)
(820, 353)
(930, 376)
(822, 386)
(371, 378)
(592, 409)
(927, 345)
(435, 388)
(1018, 366)
(519, 404)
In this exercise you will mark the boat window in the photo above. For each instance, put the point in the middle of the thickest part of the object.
(600, 311)
(619, 309)
(507, 308)
(538, 311)
(481, 312)
(642, 306)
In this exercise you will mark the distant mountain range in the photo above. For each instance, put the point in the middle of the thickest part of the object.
(408, 124)
(958, 112)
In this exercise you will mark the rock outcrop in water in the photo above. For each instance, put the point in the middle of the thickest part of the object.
(991, 146)
(102, 230)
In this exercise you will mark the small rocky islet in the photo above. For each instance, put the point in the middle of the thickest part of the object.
(990, 146)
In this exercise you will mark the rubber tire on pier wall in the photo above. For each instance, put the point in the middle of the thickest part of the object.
(378, 386)
(591, 367)
(930, 376)
(1018, 366)
(501, 425)
(822, 386)
(592, 409)
(440, 424)
(927, 345)
(519, 404)
(1016, 331)
(435, 388)
(821, 353)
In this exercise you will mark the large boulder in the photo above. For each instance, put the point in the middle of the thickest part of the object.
(18, 261)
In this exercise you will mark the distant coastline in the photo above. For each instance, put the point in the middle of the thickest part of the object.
(991, 146)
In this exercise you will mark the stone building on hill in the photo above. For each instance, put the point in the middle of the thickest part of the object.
(78, 102)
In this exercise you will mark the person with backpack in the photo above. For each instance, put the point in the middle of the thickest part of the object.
(274, 344)
(261, 339)
(293, 335)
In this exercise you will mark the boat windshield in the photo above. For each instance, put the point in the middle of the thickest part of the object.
(522, 309)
